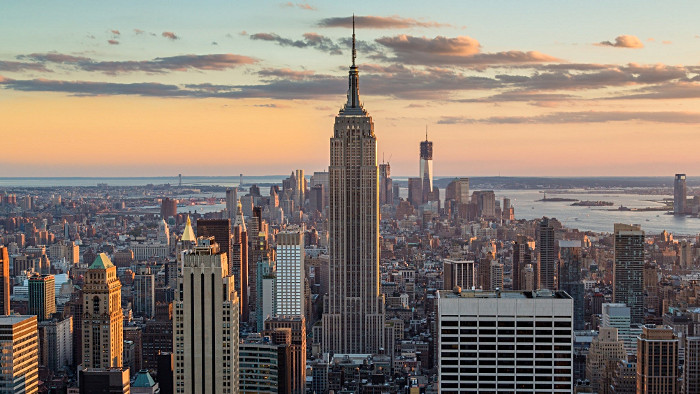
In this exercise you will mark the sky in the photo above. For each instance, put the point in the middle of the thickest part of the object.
(511, 88)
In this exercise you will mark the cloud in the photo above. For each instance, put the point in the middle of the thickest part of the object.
(213, 62)
(12, 66)
(271, 105)
(170, 35)
(138, 32)
(456, 51)
(285, 73)
(113, 42)
(582, 117)
(623, 41)
(378, 22)
(303, 6)
(311, 40)
(116, 32)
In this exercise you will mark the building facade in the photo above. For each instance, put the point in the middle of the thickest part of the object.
(628, 269)
(289, 291)
(42, 296)
(102, 316)
(353, 320)
(657, 361)
(205, 323)
(505, 341)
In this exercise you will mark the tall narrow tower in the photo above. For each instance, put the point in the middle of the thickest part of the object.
(102, 315)
(679, 194)
(354, 310)
(426, 165)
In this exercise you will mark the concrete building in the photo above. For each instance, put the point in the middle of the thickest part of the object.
(495, 276)
(628, 270)
(657, 361)
(353, 321)
(144, 384)
(458, 190)
(205, 334)
(102, 316)
(239, 259)
(231, 203)
(522, 256)
(289, 281)
(504, 341)
(19, 365)
(42, 296)
(265, 289)
(458, 273)
(605, 351)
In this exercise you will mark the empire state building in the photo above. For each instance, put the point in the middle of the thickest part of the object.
(353, 320)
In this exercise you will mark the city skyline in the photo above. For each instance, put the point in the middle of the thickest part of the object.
(494, 88)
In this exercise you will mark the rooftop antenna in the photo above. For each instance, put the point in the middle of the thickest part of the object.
(354, 53)
(426, 131)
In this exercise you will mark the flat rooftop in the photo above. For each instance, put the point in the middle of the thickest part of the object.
(522, 294)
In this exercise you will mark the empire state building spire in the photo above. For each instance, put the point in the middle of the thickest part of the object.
(353, 106)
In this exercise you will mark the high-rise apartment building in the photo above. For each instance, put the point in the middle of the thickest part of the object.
(102, 316)
(42, 296)
(458, 273)
(546, 256)
(353, 321)
(657, 361)
(504, 341)
(570, 278)
(680, 194)
(628, 269)
(19, 364)
(289, 291)
(205, 324)
(4, 281)
(426, 166)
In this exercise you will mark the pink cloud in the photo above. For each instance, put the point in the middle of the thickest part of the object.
(623, 41)
(170, 35)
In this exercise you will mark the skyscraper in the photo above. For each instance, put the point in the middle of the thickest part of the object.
(570, 277)
(231, 203)
(206, 323)
(605, 351)
(220, 229)
(297, 326)
(102, 316)
(628, 270)
(679, 194)
(144, 292)
(354, 319)
(239, 259)
(385, 185)
(657, 361)
(42, 296)
(19, 365)
(289, 282)
(426, 166)
(168, 208)
(4, 281)
(546, 257)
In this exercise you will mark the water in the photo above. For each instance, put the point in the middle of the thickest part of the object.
(598, 219)
(601, 219)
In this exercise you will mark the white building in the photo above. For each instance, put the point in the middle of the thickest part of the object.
(205, 311)
(505, 341)
(290, 274)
